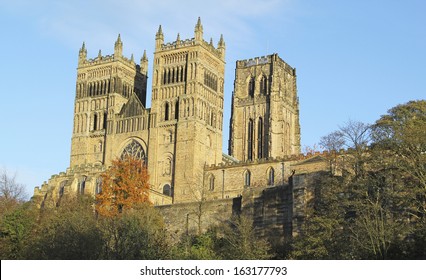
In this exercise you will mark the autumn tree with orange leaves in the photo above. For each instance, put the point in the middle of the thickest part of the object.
(123, 186)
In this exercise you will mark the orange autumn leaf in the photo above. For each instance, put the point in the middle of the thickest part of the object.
(124, 186)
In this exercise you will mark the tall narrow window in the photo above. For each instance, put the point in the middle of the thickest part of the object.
(247, 178)
(211, 183)
(82, 186)
(62, 189)
(250, 140)
(98, 189)
(164, 77)
(104, 126)
(251, 87)
(264, 85)
(271, 177)
(260, 138)
(95, 121)
(166, 111)
(177, 110)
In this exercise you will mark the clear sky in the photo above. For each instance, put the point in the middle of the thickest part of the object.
(354, 60)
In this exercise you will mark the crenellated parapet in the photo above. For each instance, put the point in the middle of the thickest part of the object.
(261, 60)
(218, 51)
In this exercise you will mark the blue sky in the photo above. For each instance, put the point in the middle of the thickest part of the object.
(354, 60)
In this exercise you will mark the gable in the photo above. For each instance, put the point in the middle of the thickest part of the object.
(133, 107)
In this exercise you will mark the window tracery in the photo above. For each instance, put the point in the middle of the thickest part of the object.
(135, 150)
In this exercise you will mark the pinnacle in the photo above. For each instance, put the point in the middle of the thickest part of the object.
(199, 26)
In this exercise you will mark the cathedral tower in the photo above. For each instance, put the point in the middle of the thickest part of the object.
(186, 112)
(265, 110)
(104, 85)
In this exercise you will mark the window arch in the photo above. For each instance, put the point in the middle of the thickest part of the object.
(211, 183)
(260, 138)
(82, 185)
(250, 143)
(251, 87)
(98, 188)
(62, 188)
(167, 190)
(271, 176)
(264, 85)
(95, 121)
(247, 178)
(133, 149)
(104, 125)
(177, 110)
(166, 111)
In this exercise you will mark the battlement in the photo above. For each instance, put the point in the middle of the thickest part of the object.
(189, 43)
(264, 60)
(108, 59)
(254, 61)
(289, 158)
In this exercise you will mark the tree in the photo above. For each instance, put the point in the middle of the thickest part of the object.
(11, 192)
(198, 247)
(333, 141)
(70, 232)
(124, 186)
(138, 233)
(241, 242)
(17, 230)
(402, 132)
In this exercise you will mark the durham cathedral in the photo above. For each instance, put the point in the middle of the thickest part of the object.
(180, 136)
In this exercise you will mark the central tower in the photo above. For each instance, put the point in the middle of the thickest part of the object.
(186, 112)
(265, 110)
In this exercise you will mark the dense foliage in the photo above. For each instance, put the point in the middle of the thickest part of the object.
(376, 208)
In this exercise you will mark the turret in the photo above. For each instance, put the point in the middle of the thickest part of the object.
(178, 40)
(82, 54)
(118, 47)
(198, 31)
(159, 38)
(144, 63)
(221, 46)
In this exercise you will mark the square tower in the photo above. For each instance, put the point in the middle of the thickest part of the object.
(186, 112)
(104, 84)
(265, 110)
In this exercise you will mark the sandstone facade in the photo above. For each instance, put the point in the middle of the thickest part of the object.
(180, 136)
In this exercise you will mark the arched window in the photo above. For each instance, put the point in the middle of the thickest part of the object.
(104, 126)
(177, 110)
(264, 85)
(271, 176)
(251, 87)
(166, 111)
(82, 185)
(164, 77)
(135, 150)
(211, 183)
(98, 189)
(95, 121)
(62, 189)
(260, 138)
(250, 140)
(247, 178)
(167, 190)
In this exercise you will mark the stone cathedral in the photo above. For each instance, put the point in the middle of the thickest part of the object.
(180, 136)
